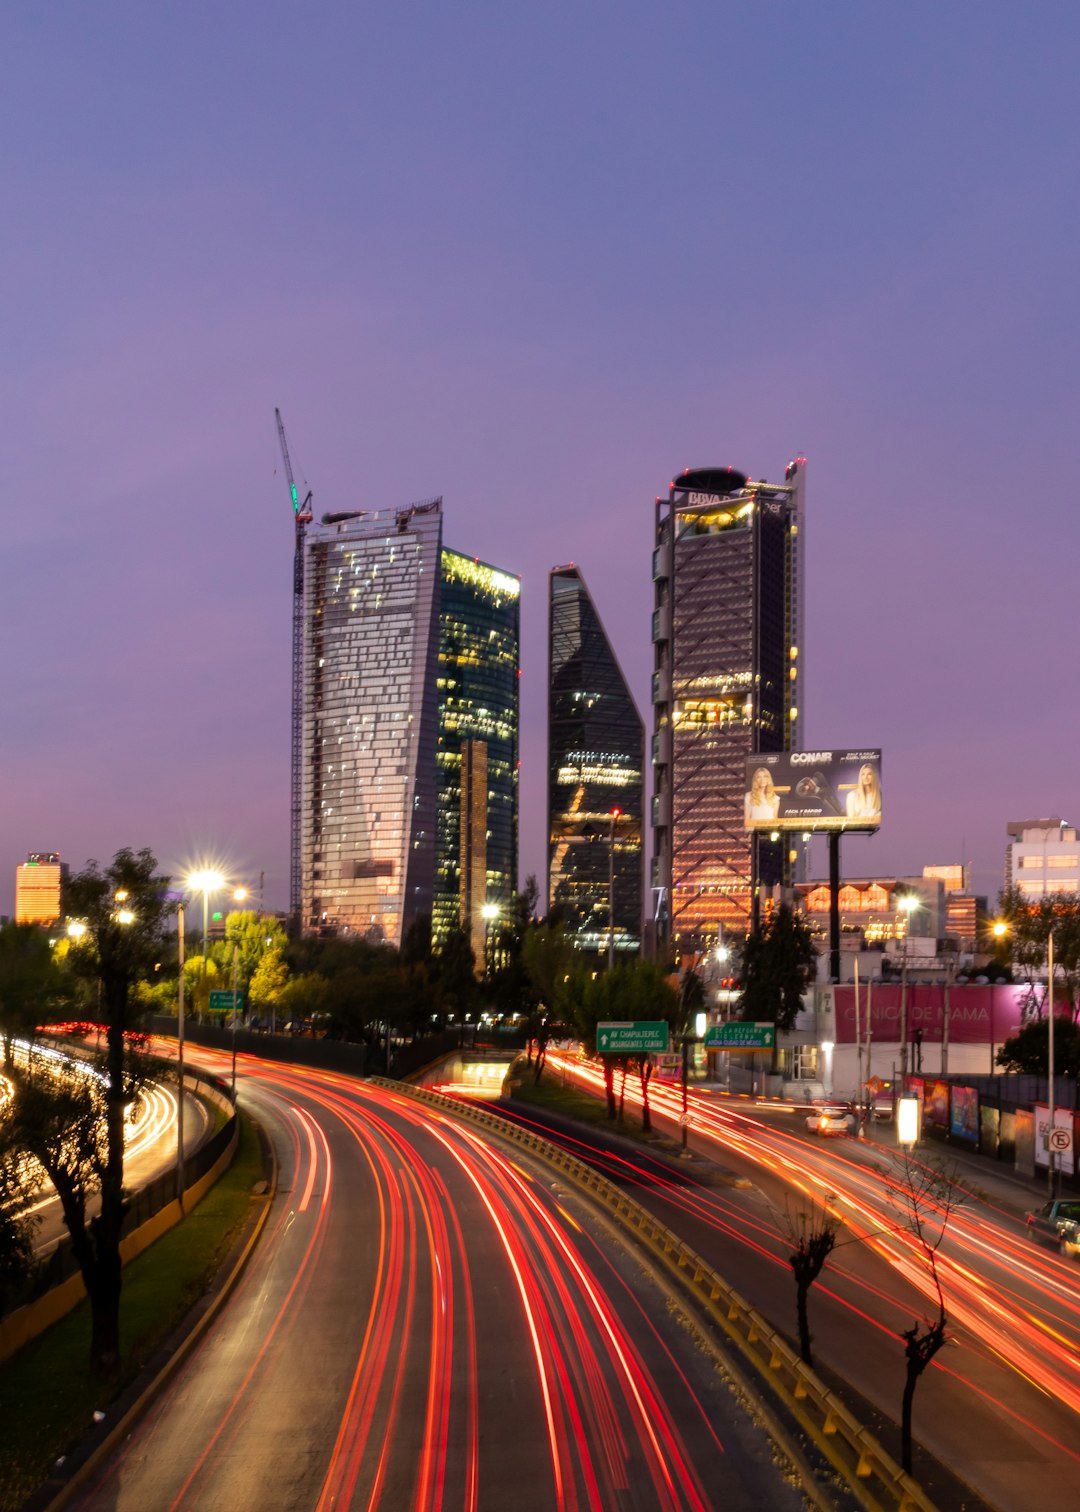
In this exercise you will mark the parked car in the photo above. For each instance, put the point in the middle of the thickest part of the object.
(1057, 1223)
(831, 1118)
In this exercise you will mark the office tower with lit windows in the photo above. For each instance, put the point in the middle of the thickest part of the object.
(38, 881)
(728, 578)
(476, 824)
(409, 651)
(596, 761)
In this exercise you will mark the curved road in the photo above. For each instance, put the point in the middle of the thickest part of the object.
(430, 1322)
(1001, 1404)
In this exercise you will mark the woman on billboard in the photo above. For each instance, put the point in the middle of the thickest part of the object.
(762, 801)
(864, 800)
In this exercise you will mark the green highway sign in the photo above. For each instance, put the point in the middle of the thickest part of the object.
(736, 1036)
(222, 1002)
(632, 1039)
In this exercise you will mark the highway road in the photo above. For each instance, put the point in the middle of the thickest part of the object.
(1001, 1404)
(149, 1150)
(431, 1321)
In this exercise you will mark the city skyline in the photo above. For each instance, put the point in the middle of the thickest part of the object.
(494, 293)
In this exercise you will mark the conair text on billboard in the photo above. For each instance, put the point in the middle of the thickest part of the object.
(813, 790)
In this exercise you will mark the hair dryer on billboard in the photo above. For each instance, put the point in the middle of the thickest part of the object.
(817, 787)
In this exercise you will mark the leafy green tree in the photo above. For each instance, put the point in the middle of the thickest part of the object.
(512, 987)
(548, 958)
(268, 981)
(34, 989)
(303, 997)
(1030, 922)
(633, 990)
(250, 935)
(778, 962)
(73, 1122)
(1029, 1050)
(455, 972)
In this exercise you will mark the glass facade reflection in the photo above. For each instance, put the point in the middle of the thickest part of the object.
(727, 571)
(410, 697)
(370, 721)
(477, 778)
(596, 762)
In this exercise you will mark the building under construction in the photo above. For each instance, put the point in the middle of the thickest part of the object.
(408, 729)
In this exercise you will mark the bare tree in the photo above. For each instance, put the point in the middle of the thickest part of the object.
(924, 1199)
(811, 1231)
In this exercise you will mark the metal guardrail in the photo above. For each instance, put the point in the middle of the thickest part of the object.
(870, 1473)
(143, 1203)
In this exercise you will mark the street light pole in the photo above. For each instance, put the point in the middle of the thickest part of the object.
(180, 1056)
(908, 904)
(1050, 1062)
(235, 955)
(615, 814)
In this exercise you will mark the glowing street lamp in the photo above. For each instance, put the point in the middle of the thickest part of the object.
(205, 882)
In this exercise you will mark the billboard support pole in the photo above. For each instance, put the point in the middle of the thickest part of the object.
(834, 906)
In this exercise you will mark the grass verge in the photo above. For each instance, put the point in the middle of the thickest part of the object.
(47, 1393)
(572, 1102)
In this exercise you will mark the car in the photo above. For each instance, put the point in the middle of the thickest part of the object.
(1057, 1223)
(831, 1118)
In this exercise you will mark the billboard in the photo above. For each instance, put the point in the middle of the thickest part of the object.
(813, 790)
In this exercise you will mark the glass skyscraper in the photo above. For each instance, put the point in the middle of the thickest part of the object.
(477, 778)
(370, 720)
(728, 661)
(596, 757)
(410, 655)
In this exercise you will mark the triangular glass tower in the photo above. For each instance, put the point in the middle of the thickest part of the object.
(596, 758)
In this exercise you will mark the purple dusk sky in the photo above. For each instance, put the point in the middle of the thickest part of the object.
(534, 258)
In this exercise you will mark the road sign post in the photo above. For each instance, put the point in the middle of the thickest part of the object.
(222, 1002)
(644, 1037)
(735, 1035)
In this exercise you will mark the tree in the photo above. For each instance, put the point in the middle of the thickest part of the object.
(125, 910)
(17, 1225)
(778, 962)
(1029, 1050)
(1030, 922)
(268, 981)
(512, 989)
(455, 973)
(33, 987)
(251, 935)
(633, 990)
(925, 1198)
(812, 1234)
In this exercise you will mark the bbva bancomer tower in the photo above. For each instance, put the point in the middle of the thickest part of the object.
(409, 730)
(728, 669)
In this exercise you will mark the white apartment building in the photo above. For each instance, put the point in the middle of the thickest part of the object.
(1043, 857)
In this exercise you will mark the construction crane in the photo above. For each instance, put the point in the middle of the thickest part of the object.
(302, 519)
